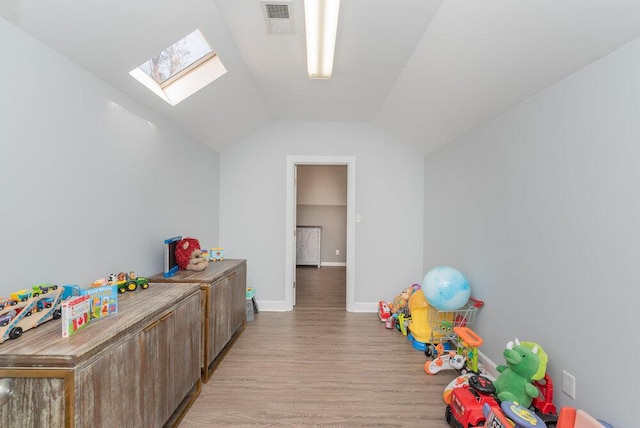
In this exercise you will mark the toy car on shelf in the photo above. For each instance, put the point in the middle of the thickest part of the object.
(43, 289)
(21, 295)
(123, 282)
(6, 302)
(38, 309)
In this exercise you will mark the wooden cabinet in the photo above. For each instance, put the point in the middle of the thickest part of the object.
(308, 245)
(140, 367)
(224, 285)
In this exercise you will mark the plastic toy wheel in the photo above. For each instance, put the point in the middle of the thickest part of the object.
(144, 285)
(54, 287)
(28, 314)
(428, 352)
(448, 414)
(15, 333)
(132, 286)
(122, 290)
(482, 384)
(57, 314)
(36, 294)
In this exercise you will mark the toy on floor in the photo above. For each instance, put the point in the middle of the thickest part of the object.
(383, 311)
(468, 344)
(572, 418)
(515, 380)
(450, 361)
(466, 406)
(511, 415)
(446, 288)
(401, 300)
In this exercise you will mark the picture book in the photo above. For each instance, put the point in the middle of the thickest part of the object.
(103, 301)
(75, 315)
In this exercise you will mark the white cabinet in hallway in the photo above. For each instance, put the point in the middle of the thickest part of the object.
(308, 245)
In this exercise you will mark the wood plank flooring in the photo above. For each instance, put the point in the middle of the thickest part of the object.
(321, 366)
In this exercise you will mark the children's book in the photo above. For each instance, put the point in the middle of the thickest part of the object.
(103, 301)
(75, 314)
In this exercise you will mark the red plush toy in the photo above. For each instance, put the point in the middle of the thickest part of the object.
(189, 255)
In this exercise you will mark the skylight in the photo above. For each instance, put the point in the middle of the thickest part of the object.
(180, 70)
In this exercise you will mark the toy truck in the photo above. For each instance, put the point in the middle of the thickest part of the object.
(123, 282)
(33, 311)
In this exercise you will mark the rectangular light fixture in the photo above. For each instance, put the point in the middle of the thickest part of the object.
(321, 22)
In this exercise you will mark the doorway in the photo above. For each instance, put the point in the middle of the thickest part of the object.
(291, 222)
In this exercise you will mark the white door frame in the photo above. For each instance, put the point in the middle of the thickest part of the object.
(290, 251)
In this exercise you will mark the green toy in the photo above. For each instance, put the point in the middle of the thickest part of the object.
(525, 362)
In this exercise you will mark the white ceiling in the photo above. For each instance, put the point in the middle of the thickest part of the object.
(427, 71)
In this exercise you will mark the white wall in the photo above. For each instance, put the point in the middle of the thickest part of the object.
(389, 190)
(90, 182)
(540, 209)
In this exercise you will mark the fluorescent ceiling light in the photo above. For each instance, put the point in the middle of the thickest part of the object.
(321, 21)
(180, 70)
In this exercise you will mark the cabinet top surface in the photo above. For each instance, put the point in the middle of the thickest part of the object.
(214, 270)
(44, 345)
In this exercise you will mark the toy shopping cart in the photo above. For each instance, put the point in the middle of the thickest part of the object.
(443, 322)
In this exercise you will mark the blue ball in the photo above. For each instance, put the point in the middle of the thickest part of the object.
(446, 289)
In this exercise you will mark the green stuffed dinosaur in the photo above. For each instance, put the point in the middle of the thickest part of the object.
(514, 382)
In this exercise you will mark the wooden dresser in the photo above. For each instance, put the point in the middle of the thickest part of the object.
(139, 367)
(224, 285)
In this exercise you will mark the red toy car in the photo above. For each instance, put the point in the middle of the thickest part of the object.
(466, 408)
(383, 311)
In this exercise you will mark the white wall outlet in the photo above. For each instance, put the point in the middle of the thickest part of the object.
(358, 218)
(337, 252)
(568, 384)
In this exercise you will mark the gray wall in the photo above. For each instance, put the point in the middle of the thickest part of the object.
(322, 201)
(540, 209)
(389, 191)
(90, 182)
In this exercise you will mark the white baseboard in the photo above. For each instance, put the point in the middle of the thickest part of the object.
(489, 365)
(272, 306)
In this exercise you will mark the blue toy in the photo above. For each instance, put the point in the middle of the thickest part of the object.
(446, 289)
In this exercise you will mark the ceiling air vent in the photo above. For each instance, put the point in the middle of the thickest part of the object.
(278, 16)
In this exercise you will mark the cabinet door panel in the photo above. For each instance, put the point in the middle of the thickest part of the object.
(36, 402)
(110, 389)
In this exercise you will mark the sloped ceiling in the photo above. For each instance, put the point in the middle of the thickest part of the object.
(427, 71)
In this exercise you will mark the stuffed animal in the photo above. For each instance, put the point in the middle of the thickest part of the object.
(189, 255)
(514, 382)
(400, 301)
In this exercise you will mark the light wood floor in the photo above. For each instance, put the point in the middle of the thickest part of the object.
(321, 366)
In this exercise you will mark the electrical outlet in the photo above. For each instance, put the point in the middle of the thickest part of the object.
(337, 252)
(568, 384)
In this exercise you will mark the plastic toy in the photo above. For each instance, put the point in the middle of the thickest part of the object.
(450, 361)
(216, 254)
(468, 346)
(511, 415)
(419, 326)
(571, 418)
(123, 282)
(33, 311)
(383, 311)
(446, 288)
(43, 289)
(514, 381)
(466, 407)
(21, 295)
(544, 401)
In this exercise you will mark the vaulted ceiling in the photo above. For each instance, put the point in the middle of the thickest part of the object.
(427, 71)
